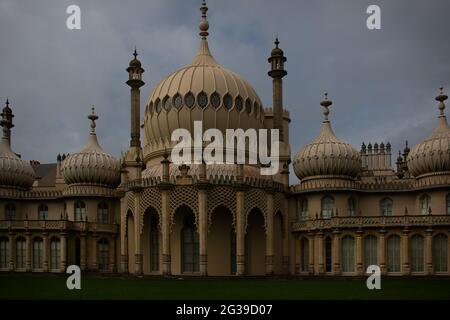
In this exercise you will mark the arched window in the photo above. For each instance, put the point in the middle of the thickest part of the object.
(103, 254)
(4, 252)
(386, 207)
(304, 264)
(351, 207)
(80, 211)
(154, 243)
(425, 204)
(55, 253)
(370, 251)
(190, 245)
(448, 203)
(327, 207)
(303, 203)
(38, 253)
(102, 213)
(393, 254)
(328, 261)
(43, 212)
(416, 253)
(20, 252)
(348, 254)
(440, 253)
(10, 211)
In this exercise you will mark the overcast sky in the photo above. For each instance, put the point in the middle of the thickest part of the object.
(382, 82)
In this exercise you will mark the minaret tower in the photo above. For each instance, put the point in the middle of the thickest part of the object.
(6, 121)
(133, 157)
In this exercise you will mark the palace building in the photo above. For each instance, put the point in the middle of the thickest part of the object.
(142, 214)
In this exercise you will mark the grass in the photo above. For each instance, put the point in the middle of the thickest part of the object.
(26, 286)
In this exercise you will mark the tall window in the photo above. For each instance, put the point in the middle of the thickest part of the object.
(440, 253)
(43, 212)
(103, 254)
(10, 211)
(38, 253)
(351, 207)
(233, 257)
(448, 203)
(80, 211)
(386, 207)
(304, 264)
(327, 206)
(4, 252)
(55, 253)
(416, 253)
(303, 203)
(425, 204)
(190, 245)
(393, 254)
(370, 251)
(20, 252)
(102, 212)
(154, 243)
(348, 254)
(328, 261)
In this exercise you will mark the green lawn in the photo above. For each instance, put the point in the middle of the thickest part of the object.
(24, 286)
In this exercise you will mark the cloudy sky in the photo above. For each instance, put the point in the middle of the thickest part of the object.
(382, 82)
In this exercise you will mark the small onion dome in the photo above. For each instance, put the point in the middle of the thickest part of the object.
(432, 155)
(135, 62)
(277, 50)
(14, 172)
(326, 155)
(91, 165)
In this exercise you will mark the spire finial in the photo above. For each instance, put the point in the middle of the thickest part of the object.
(135, 54)
(325, 103)
(93, 117)
(204, 25)
(441, 98)
(277, 42)
(7, 102)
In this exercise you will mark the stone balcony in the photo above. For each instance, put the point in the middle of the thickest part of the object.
(56, 225)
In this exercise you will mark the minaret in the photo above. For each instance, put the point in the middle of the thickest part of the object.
(277, 72)
(7, 122)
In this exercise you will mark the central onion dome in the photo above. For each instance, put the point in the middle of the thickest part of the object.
(201, 91)
(327, 156)
(91, 165)
(432, 156)
(14, 172)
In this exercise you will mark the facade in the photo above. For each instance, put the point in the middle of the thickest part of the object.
(143, 214)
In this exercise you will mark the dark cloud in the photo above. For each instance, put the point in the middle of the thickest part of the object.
(382, 82)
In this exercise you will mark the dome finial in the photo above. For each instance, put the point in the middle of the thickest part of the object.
(441, 98)
(204, 25)
(135, 54)
(325, 103)
(277, 42)
(93, 117)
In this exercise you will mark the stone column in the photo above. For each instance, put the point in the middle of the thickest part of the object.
(123, 237)
(382, 252)
(240, 232)
(63, 251)
(45, 244)
(29, 250)
(311, 253)
(286, 234)
(405, 252)
(203, 230)
(165, 231)
(428, 251)
(336, 252)
(359, 253)
(298, 251)
(137, 233)
(320, 253)
(83, 253)
(12, 252)
(94, 246)
(269, 234)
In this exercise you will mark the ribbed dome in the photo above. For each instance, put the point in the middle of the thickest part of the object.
(433, 154)
(14, 172)
(201, 91)
(326, 155)
(91, 165)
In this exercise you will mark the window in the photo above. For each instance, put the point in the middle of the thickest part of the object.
(4, 252)
(327, 207)
(238, 103)
(370, 251)
(55, 253)
(393, 254)
(10, 211)
(102, 212)
(154, 243)
(167, 103)
(20, 252)
(215, 100)
(177, 101)
(38, 253)
(233, 261)
(351, 207)
(189, 100)
(190, 246)
(228, 101)
(328, 261)
(80, 211)
(416, 253)
(202, 100)
(303, 203)
(425, 204)
(248, 106)
(448, 204)
(43, 212)
(440, 253)
(304, 263)
(348, 254)
(103, 254)
(386, 207)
